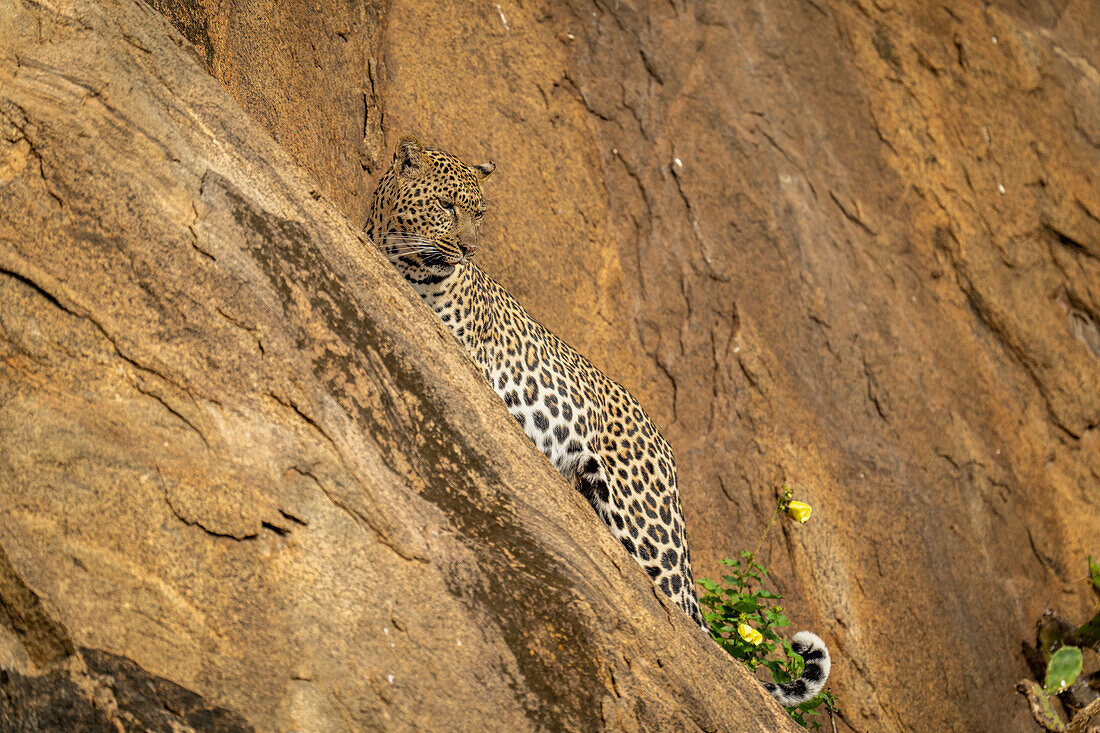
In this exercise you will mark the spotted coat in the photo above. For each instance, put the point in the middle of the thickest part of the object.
(425, 217)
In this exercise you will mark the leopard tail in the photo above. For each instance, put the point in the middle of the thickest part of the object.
(816, 656)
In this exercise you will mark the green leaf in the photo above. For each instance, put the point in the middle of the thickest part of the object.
(779, 675)
(1063, 668)
(796, 666)
(1088, 633)
(1094, 573)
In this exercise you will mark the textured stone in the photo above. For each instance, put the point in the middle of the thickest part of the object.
(850, 246)
(97, 691)
(247, 480)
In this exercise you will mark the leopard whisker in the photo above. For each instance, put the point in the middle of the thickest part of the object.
(408, 237)
(398, 255)
(409, 248)
(392, 242)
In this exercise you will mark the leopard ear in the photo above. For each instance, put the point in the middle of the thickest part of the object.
(408, 158)
(484, 170)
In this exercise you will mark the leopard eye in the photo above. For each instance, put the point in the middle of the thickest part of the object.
(478, 215)
(448, 206)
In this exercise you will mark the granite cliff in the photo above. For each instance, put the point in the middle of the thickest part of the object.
(246, 481)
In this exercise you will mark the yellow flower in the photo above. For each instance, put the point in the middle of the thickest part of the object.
(750, 634)
(799, 511)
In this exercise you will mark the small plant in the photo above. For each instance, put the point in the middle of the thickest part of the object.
(1056, 659)
(743, 615)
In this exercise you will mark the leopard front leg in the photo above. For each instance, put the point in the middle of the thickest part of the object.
(658, 547)
(635, 498)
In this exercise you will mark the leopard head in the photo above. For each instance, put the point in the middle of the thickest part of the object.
(427, 210)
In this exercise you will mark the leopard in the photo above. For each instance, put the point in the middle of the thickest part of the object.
(425, 218)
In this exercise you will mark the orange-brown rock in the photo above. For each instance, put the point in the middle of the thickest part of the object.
(247, 481)
(851, 246)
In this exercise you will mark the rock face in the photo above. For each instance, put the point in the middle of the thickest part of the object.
(851, 246)
(247, 481)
